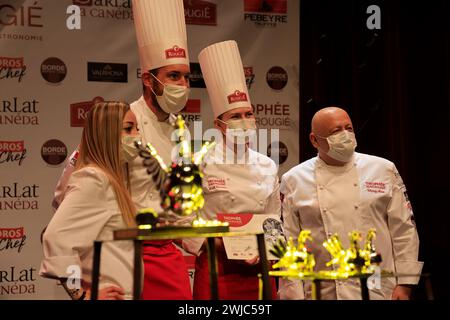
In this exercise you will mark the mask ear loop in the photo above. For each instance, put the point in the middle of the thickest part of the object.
(159, 82)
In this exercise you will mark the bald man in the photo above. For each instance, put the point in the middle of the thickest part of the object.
(340, 191)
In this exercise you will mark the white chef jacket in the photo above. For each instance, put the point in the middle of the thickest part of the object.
(249, 186)
(365, 193)
(143, 189)
(89, 212)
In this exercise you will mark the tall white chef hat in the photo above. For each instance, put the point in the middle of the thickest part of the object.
(161, 33)
(224, 77)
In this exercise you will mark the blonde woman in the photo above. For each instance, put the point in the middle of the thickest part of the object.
(96, 202)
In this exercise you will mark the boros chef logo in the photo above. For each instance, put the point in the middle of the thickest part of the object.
(12, 239)
(12, 68)
(54, 152)
(12, 152)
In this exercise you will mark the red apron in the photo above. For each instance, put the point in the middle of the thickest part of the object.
(166, 275)
(236, 280)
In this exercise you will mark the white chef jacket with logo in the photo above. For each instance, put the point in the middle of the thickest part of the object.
(249, 186)
(367, 192)
(89, 212)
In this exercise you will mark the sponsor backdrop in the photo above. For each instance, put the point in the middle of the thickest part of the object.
(50, 76)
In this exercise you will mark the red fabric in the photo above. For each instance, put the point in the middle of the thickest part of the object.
(236, 281)
(166, 275)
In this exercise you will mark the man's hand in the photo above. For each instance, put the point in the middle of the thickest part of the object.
(402, 292)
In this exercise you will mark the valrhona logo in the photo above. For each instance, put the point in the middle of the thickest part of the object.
(12, 239)
(18, 197)
(12, 152)
(14, 280)
(12, 68)
(175, 52)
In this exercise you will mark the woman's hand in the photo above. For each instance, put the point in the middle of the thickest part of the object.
(111, 293)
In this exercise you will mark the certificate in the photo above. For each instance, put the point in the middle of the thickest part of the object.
(246, 247)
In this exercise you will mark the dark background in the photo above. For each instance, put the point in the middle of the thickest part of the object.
(394, 83)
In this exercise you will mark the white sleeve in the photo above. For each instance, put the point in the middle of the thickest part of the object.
(76, 224)
(64, 180)
(274, 202)
(290, 289)
(402, 228)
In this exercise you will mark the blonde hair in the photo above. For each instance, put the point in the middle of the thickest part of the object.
(101, 147)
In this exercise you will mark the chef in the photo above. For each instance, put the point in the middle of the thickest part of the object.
(236, 179)
(340, 191)
(163, 53)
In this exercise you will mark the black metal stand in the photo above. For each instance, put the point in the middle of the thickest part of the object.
(137, 274)
(267, 288)
(210, 233)
(364, 289)
(316, 294)
(96, 269)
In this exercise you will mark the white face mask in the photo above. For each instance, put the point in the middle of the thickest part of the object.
(342, 145)
(239, 130)
(174, 97)
(129, 150)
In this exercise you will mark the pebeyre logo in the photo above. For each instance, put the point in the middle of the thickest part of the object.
(191, 112)
(12, 151)
(175, 52)
(12, 68)
(12, 239)
(79, 110)
(200, 12)
(265, 13)
(237, 96)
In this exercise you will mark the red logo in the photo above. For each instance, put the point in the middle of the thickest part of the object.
(175, 52)
(200, 12)
(376, 187)
(235, 219)
(79, 110)
(12, 146)
(11, 233)
(268, 6)
(14, 63)
(192, 106)
(237, 96)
